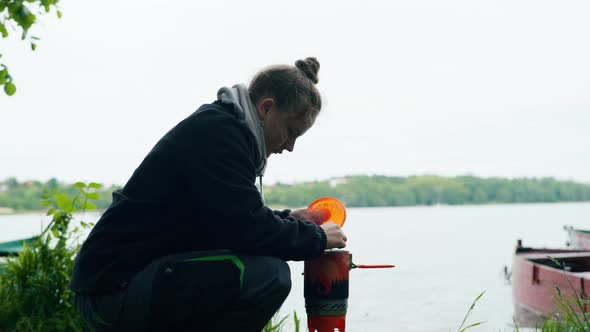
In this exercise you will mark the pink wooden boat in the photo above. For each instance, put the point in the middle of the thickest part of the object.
(578, 238)
(536, 277)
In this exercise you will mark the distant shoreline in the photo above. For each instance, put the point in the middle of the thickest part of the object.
(354, 191)
(19, 212)
(280, 208)
(6, 210)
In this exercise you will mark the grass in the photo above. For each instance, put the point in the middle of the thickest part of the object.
(277, 324)
(461, 328)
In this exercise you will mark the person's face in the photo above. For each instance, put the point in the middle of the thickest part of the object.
(282, 128)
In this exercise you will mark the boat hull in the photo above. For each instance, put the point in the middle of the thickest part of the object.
(537, 278)
(11, 248)
(579, 238)
(16, 246)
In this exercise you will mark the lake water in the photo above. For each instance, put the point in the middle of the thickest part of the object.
(445, 256)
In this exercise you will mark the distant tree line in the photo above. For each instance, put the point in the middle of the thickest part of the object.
(367, 191)
(26, 195)
(357, 191)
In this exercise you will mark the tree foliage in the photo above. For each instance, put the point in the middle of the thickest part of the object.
(27, 195)
(356, 191)
(19, 16)
(367, 191)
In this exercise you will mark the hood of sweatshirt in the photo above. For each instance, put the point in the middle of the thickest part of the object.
(239, 97)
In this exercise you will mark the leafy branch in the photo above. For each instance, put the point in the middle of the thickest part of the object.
(19, 16)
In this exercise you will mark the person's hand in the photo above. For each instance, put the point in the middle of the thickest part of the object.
(334, 235)
(335, 238)
(299, 214)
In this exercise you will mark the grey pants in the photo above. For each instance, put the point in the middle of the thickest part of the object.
(199, 291)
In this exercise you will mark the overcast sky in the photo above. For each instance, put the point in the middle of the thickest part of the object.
(489, 88)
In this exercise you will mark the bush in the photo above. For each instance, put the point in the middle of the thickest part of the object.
(34, 294)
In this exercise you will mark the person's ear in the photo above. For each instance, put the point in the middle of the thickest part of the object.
(264, 107)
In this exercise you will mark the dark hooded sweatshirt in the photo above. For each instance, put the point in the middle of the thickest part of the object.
(194, 191)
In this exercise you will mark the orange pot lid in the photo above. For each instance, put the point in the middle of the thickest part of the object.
(326, 209)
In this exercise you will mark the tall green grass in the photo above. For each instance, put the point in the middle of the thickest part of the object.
(463, 329)
(277, 324)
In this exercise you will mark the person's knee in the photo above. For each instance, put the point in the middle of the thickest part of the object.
(267, 277)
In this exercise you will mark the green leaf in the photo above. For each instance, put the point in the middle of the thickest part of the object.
(51, 211)
(3, 76)
(93, 195)
(79, 185)
(54, 232)
(95, 185)
(10, 88)
(470, 326)
(33, 46)
(296, 321)
(59, 14)
(64, 274)
(3, 30)
(64, 202)
(26, 18)
(90, 206)
(478, 297)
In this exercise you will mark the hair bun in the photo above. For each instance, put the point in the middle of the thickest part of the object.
(309, 67)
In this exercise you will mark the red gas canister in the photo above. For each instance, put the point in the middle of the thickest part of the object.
(326, 291)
